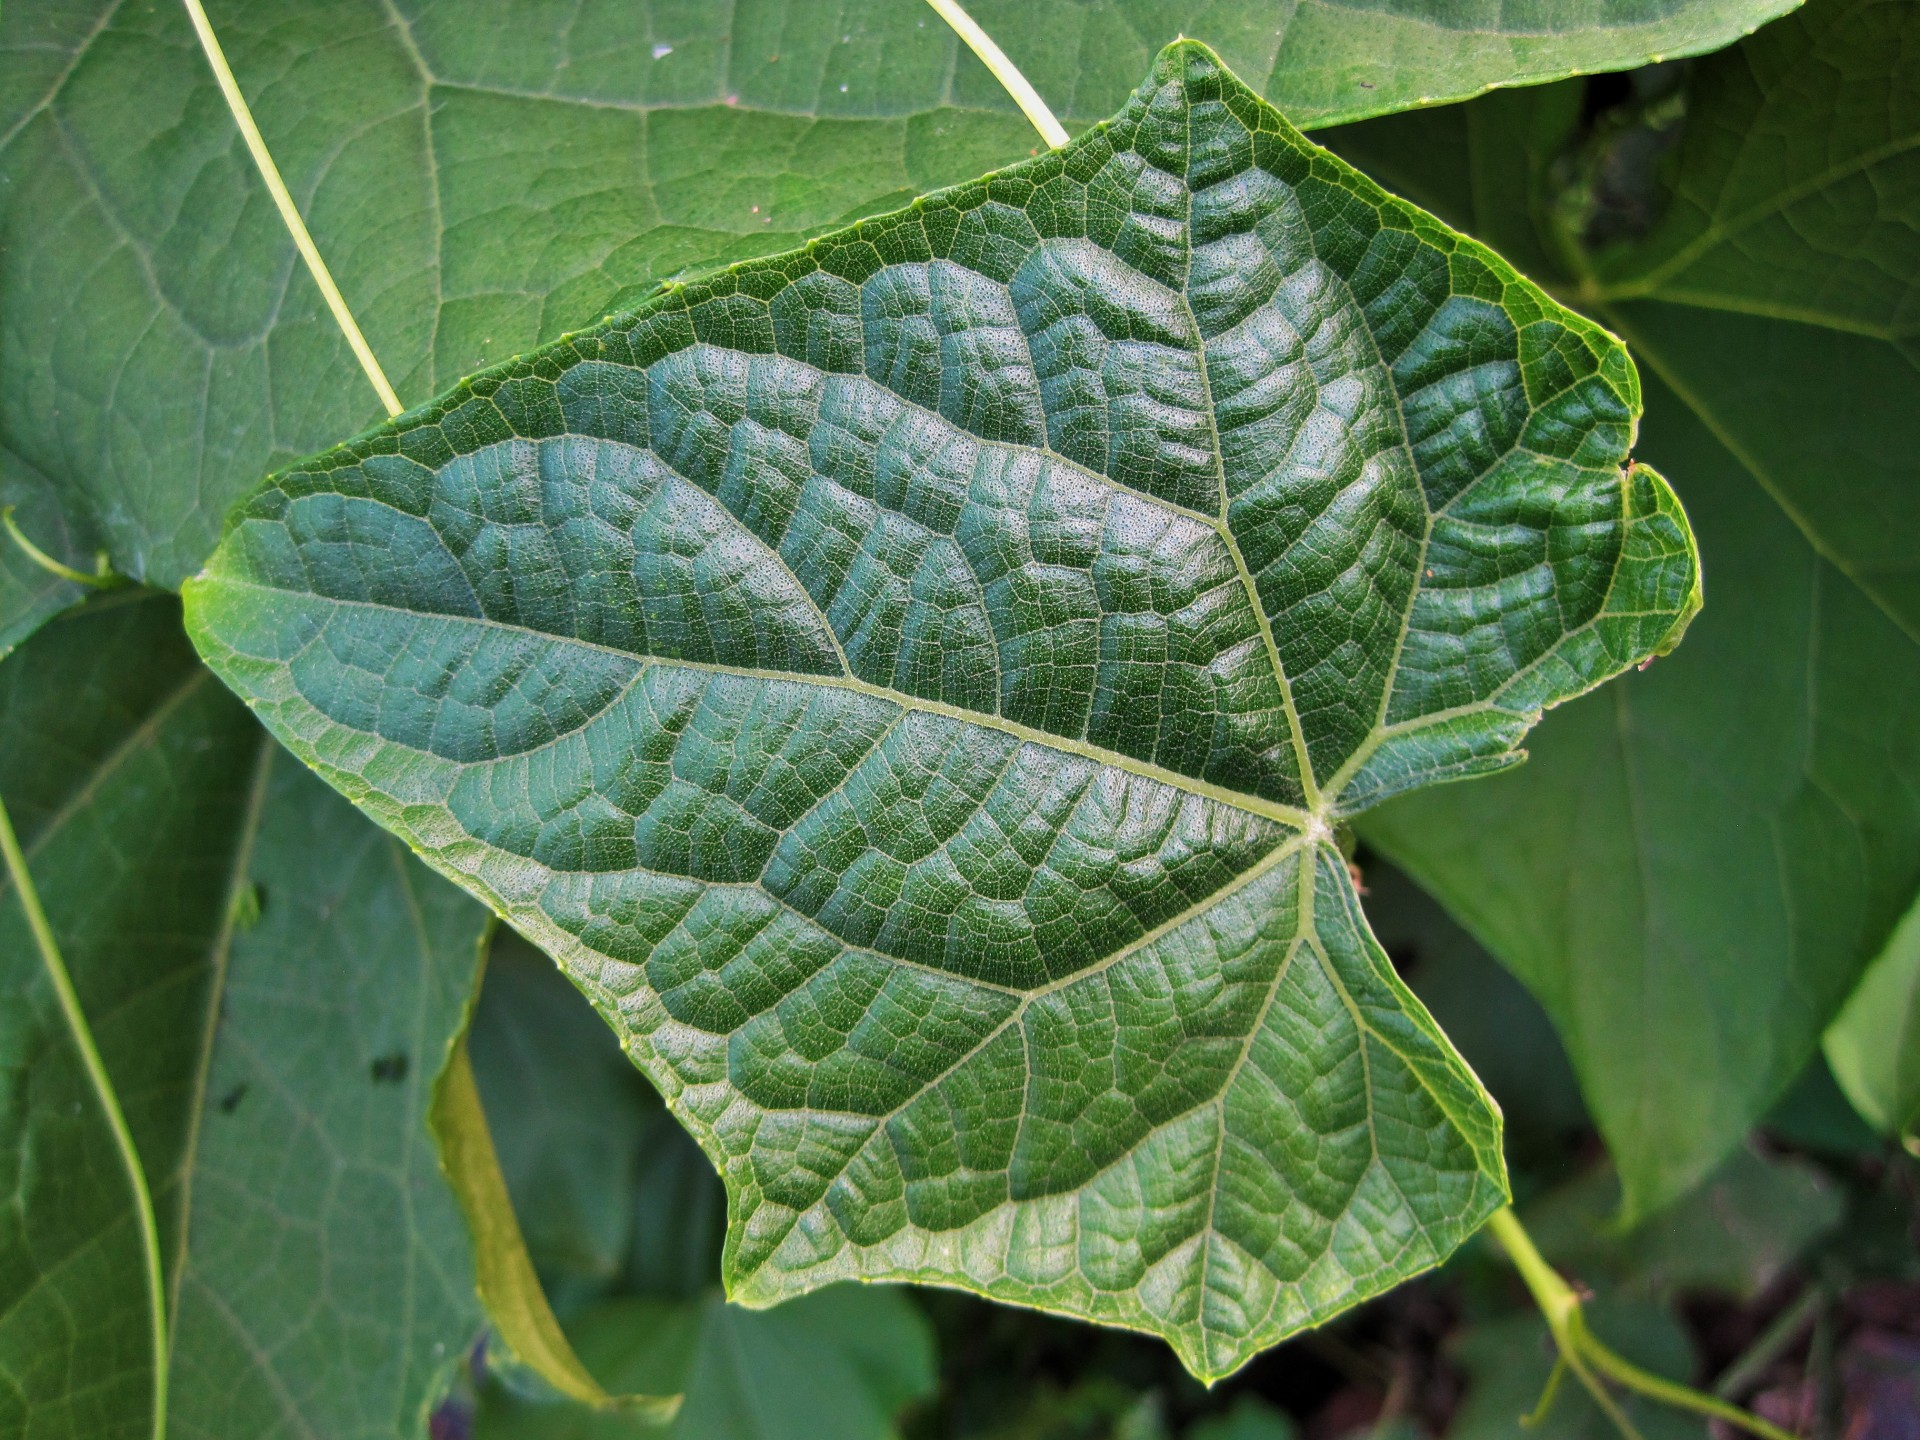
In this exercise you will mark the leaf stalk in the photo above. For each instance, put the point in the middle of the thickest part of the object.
(1004, 70)
(1589, 1360)
(289, 212)
(102, 577)
(96, 1070)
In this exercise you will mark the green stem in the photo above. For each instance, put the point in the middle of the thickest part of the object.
(103, 1089)
(101, 579)
(1004, 70)
(1785, 1329)
(1592, 1361)
(289, 212)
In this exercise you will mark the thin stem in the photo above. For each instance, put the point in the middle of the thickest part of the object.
(102, 579)
(1624, 1372)
(276, 187)
(1588, 1358)
(1548, 1394)
(103, 1089)
(1004, 70)
(1786, 1328)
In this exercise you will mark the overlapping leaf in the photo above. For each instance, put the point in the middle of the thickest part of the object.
(1874, 1043)
(1693, 870)
(485, 176)
(272, 985)
(910, 684)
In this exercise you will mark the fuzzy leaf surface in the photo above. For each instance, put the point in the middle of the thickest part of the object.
(910, 683)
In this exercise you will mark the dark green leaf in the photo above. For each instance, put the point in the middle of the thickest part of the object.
(568, 1114)
(841, 1363)
(1498, 1028)
(272, 985)
(483, 177)
(1695, 867)
(1250, 1419)
(1815, 1116)
(910, 684)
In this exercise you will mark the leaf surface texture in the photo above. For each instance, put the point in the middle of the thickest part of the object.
(909, 683)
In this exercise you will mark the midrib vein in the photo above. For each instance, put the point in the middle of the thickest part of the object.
(1223, 524)
(1294, 817)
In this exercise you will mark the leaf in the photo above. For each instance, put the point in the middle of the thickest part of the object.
(910, 683)
(483, 178)
(568, 1114)
(843, 1363)
(508, 1286)
(1251, 1418)
(1341, 60)
(1498, 1028)
(613, 1195)
(1693, 869)
(1873, 1045)
(272, 985)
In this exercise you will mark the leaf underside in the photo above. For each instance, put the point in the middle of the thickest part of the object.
(910, 684)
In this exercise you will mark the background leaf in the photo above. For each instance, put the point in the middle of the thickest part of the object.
(816, 660)
(1694, 867)
(483, 177)
(1874, 1043)
(614, 1196)
(272, 985)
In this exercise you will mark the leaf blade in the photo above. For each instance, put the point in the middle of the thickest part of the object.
(1870, 1043)
(802, 611)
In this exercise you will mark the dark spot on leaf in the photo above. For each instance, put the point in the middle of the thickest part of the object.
(390, 1069)
(230, 1101)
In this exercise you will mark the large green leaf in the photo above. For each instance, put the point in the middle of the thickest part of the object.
(483, 177)
(1694, 868)
(910, 683)
(272, 985)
